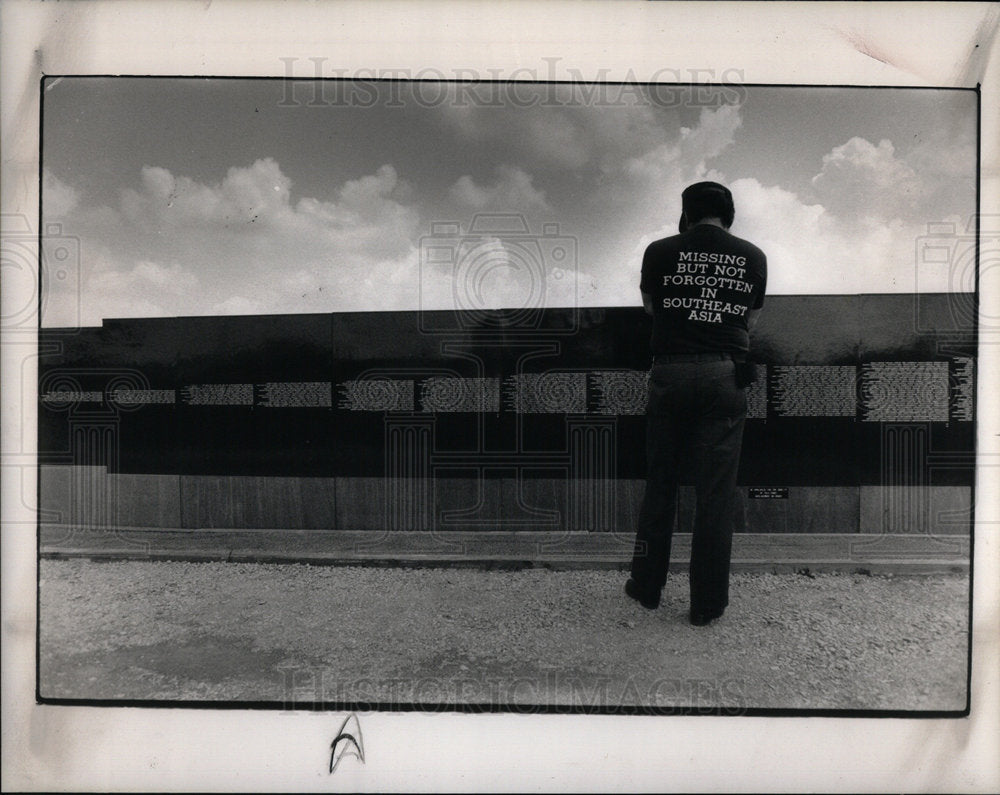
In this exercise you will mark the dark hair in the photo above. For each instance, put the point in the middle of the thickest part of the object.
(708, 200)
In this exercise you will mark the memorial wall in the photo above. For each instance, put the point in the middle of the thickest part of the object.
(499, 420)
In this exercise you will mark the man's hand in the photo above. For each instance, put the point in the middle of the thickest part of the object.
(752, 317)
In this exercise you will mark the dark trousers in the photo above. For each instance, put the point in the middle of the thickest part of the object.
(694, 431)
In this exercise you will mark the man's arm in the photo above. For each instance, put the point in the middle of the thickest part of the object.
(647, 303)
(754, 314)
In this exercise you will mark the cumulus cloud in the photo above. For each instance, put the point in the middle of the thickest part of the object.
(511, 191)
(146, 289)
(559, 140)
(855, 230)
(685, 158)
(628, 163)
(860, 232)
(245, 195)
(607, 175)
(494, 274)
(561, 126)
(637, 191)
(175, 245)
(171, 279)
(236, 305)
(714, 134)
(505, 272)
(864, 182)
(59, 199)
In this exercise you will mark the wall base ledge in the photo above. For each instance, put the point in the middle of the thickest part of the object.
(752, 552)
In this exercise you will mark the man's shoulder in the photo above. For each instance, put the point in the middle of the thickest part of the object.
(750, 247)
(719, 236)
(672, 242)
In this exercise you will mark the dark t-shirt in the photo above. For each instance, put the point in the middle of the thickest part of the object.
(703, 282)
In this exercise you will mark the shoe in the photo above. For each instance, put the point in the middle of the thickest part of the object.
(702, 617)
(647, 598)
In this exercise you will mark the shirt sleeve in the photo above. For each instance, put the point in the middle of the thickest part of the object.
(763, 284)
(647, 283)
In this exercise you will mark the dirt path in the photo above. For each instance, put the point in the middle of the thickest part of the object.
(314, 636)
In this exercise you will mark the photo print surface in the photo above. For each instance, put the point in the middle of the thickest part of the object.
(342, 388)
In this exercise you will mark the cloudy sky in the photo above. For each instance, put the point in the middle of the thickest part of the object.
(207, 197)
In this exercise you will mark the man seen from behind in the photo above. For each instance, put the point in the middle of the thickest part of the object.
(704, 289)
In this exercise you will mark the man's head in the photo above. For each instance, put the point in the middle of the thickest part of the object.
(707, 200)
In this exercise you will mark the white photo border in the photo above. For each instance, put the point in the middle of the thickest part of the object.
(869, 44)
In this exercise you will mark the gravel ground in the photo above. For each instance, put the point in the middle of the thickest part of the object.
(314, 635)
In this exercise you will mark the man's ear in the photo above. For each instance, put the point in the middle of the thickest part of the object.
(682, 225)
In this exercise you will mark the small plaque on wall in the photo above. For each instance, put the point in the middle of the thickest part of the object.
(757, 493)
